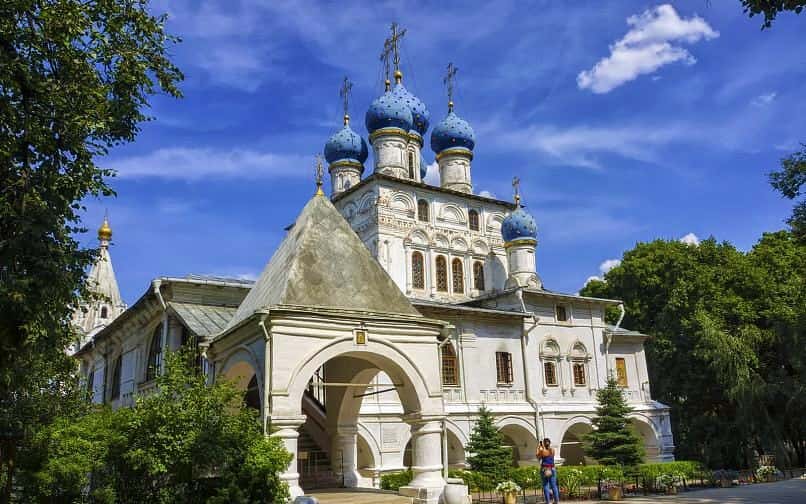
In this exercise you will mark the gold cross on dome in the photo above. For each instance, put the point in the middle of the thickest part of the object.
(448, 81)
(320, 172)
(344, 92)
(393, 41)
(516, 185)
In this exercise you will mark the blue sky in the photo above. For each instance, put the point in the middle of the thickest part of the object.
(626, 121)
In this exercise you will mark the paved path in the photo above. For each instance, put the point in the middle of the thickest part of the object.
(783, 492)
(352, 497)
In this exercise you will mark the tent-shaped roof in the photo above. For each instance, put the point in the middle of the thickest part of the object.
(321, 262)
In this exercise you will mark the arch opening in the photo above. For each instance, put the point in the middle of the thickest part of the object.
(572, 446)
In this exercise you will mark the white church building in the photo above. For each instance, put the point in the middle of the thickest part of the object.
(389, 314)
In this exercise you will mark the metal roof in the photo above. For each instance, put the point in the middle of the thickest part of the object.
(203, 320)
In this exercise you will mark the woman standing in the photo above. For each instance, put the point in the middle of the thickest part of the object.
(547, 471)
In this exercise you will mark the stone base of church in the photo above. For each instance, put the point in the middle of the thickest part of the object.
(422, 495)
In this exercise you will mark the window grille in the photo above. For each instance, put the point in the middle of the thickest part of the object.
(417, 271)
(450, 374)
(478, 275)
(442, 274)
(550, 372)
(458, 276)
(503, 365)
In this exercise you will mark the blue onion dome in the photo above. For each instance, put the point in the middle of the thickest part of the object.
(453, 132)
(519, 225)
(346, 145)
(419, 113)
(389, 110)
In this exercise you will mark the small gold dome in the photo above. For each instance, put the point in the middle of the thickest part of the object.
(105, 231)
(398, 76)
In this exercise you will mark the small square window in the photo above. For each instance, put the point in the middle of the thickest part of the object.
(562, 313)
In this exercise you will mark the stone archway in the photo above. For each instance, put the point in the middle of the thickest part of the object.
(456, 451)
(349, 371)
(520, 437)
(650, 438)
(572, 447)
(240, 370)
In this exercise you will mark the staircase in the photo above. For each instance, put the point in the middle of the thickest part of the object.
(313, 448)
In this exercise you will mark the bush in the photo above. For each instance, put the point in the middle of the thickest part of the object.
(395, 480)
(571, 479)
(475, 481)
(186, 442)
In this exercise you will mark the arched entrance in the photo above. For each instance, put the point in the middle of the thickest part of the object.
(572, 447)
(647, 433)
(522, 441)
(456, 451)
(347, 374)
(240, 371)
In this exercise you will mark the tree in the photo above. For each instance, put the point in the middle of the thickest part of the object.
(771, 8)
(488, 454)
(613, 442)
(789, 181)
(726, 351)
(186, 442)
(75, 77)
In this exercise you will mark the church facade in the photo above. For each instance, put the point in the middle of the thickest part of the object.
(389, 314)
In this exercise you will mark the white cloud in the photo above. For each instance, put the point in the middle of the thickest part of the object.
(486, 194)
(646, 47)
(608, 265)
(764, 99)
(580, 145)
(197, 163)
(432, 174)
(690, 239)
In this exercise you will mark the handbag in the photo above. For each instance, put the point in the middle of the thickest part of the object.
(547, 472)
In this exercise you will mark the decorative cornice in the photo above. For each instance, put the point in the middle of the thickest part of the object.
(388, 131)
(456, 151)
(521, 241)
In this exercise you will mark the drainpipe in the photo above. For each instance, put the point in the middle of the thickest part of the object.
(526, 380)
(268, 360)
(155, 286)
(609, 339)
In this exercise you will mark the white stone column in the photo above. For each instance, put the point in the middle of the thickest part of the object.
(426, 443)
(287, 429)
(345, 455)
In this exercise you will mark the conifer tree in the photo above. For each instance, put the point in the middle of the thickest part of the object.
(489, 454)
(613, 442)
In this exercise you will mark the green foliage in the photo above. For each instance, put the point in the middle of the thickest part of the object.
(475, 481)
(613, 442)
(789, 181)
(488, 454)
(75, 78)
(727, 347)
(771, 8)
(395, 480)
(186, 442)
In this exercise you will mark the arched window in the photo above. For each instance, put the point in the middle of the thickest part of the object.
(422, 210)
(251, 398)
(550, 372)
(154, 354)
(411, 165)
(579, 374)
(104, 312)
(417, 271)
(473, 220)
(458, 276)
(450, 372)
(442, 274)
(478, 275)
(115, 392)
